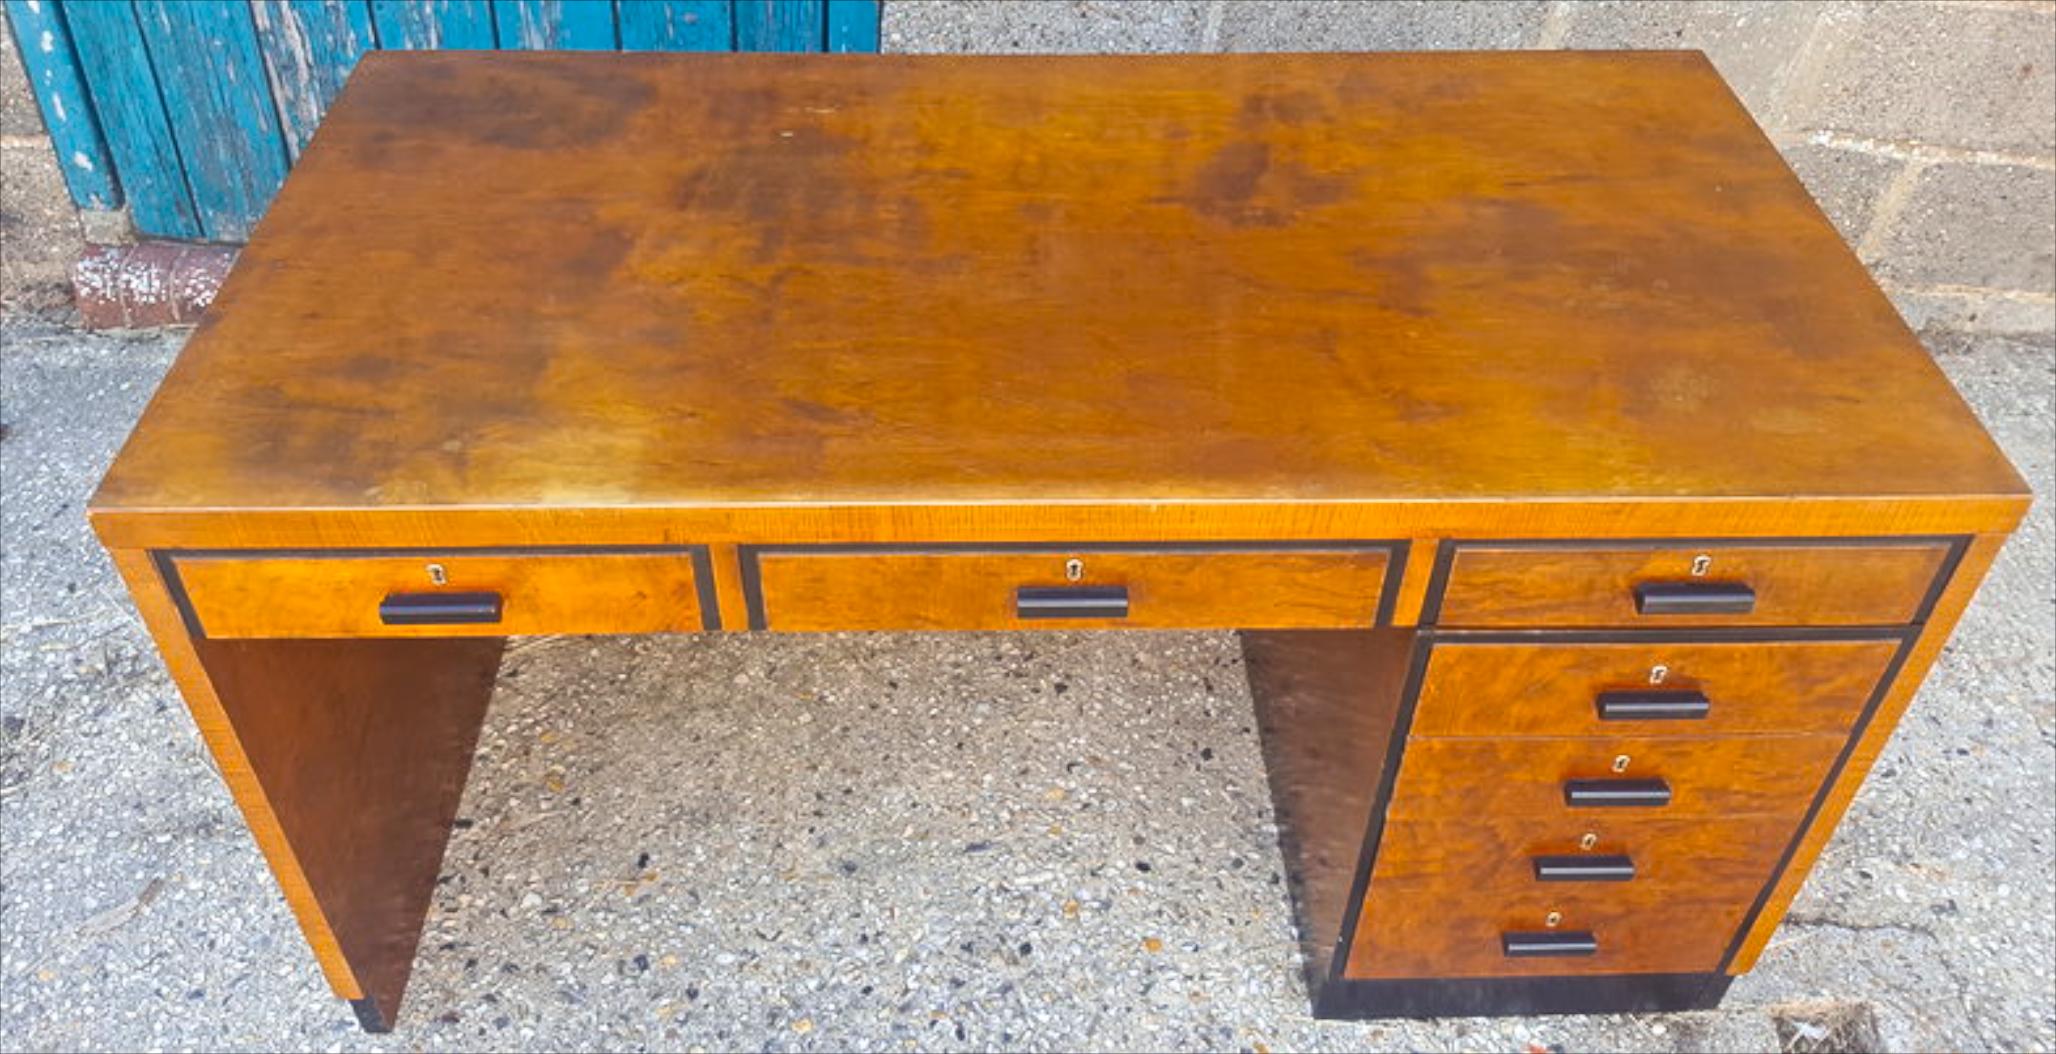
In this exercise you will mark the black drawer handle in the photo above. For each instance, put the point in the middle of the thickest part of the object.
(1616, 793)
(1654, 706)
(439, 609)
(1694, 598)
(1549, 944)
(1071, 602)
(1583, 868)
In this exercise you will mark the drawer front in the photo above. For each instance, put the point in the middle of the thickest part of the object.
(1579, 689)
(1153, 589)
(1496, 856)
(1880, 583)
(489, 595)
(1453, 779)
(1436, 928)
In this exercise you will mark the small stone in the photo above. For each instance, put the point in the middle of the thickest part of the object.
(1070, 909)
(1152, 945)
(803, 1025)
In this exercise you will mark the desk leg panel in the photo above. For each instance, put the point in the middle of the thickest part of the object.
(348, 759)
(1329, 710)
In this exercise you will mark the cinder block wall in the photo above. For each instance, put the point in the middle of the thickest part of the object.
(39, 230)
(1926, 129)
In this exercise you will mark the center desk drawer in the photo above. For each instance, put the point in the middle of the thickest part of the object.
(1884, 582)
(1175, 587)
(452, 594)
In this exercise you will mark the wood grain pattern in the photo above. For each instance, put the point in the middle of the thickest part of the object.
(431, 24)
(160, 615)
(1166, 590)
(1795, 585)
(42, 35)
(130, 105)
(211, 73)
(1081, 279)
(1956, 596)
(1442, 779)
(1326, 704)
(309, 48)
(1487, 856)
(1437, 928)
(361, 748)
(1479, 689)
(338, 596)
(347, 759)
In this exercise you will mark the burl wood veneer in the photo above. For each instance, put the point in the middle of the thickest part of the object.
(1522, 406)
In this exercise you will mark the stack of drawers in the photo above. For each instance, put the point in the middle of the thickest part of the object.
(1612, 746)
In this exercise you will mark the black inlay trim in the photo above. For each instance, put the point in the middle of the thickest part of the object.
(753, 584)
(167, 569)
(1820, 797)
(1374, 828)
(1445, 556)
(368, 1017)
(703, 584)
(1360, 999)
(167, 566)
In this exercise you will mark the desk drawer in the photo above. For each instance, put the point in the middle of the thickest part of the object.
(1172, 588)
(1582, 689)
(1454, 779)
(1880, 583)
(1496, 855)
(443, 594)
(1436, 928)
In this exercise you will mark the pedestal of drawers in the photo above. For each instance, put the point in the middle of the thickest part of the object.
(1601, 758)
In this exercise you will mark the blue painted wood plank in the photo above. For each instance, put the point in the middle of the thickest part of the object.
(430, 24)
(555, 25)
(853, 25)
(116, 64)
(676, 25)
(43, 39)
(310, 47)
(212, 76)
(779, 25)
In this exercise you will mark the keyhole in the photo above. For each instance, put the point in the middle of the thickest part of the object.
(1701, 564)
(1074, 569)
(1553, 919)
(1620, 764)
(437, 575)
(1658, 672)
(1590, 840)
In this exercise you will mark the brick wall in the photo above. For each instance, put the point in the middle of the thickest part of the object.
(1927, 130)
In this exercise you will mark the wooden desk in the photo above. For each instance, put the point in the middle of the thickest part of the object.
(1587, 510)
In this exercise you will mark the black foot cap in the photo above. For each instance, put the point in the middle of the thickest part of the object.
(369, 1017)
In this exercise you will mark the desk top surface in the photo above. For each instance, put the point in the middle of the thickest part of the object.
(515, 280)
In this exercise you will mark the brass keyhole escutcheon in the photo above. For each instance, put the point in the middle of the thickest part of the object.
(1553, 919)
(1620, 764)
(1588, 842)
(437, 575)
(1701, 564)
(1658, 672)
(1074, 569)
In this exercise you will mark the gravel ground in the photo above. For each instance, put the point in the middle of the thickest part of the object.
(1032, 841)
